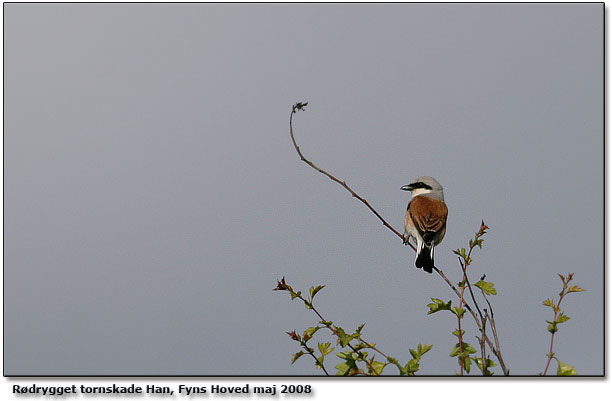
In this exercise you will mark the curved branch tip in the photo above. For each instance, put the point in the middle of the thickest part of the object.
(299, 106)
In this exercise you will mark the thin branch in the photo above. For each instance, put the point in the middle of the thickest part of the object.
(496, 350)
(552, 337)
(465, 276)
(481, 340)
(467, 306)
(300, 106)
(482, 318)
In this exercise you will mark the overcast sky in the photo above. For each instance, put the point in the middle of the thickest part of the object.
(153, 196)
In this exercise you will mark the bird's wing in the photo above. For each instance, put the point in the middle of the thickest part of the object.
(408, 222)
(428, 215)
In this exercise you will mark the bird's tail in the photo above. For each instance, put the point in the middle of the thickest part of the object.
(424, 259)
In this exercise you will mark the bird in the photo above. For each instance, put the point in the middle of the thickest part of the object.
(425, 219)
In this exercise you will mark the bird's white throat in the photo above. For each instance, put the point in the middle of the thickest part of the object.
(420, 191)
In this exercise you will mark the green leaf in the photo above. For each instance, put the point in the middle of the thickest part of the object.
(490, 364)
(562, 318)
(314, 290)
(467, 364)
(346, 355)
(574, 288)
(350, 338)
(324, 348)
(309, 332)
(342, 369)
(423, 349)
(402, 370)
(467, 350)
(326, 322)
(461, 252)
(467, 347)
(458, 311)
(438, 305)
(359, 346)
(308, 304)
(549, 302)
(456, 333)
(565, 370)
(361, 356)
(487, 287)
(343, 338)
(349, 367)
(378, 367)
(296, 356)
(412, 366)
(552, 326)
(360, 328)
(295, 295)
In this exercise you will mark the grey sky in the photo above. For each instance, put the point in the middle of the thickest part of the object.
(153, 197)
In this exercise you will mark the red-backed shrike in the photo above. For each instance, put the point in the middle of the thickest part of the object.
(425, 219)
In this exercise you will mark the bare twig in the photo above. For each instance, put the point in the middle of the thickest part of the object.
(481, 340)
(467, 281)
(552, 341)
(497, 349)
(300, 106)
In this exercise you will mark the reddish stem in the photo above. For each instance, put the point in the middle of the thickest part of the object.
(552, 337)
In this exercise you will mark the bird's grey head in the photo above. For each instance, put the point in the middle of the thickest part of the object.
(426, 186)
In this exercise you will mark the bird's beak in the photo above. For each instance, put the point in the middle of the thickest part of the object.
(407, 187)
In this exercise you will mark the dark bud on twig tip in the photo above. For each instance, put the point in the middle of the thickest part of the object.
(281, 285)
(299, 106)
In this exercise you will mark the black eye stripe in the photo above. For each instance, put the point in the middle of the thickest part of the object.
(420, 185)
